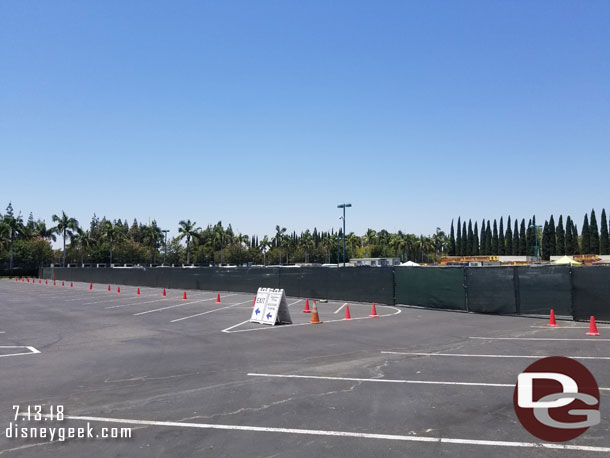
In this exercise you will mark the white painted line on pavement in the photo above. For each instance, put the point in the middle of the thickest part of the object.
(489, 356)
(568, 327)
(285, 326)
(339, 309)
(180, 305)
(591, 339)
(323, 432)
(387, 380)
(32, 351)
(210, 311)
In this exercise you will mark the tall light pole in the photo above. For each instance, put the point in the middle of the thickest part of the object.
(536, 236)
(343, 206)
(165, 231)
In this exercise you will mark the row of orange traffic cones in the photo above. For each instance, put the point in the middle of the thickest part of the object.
(592, 325)
(315, 316)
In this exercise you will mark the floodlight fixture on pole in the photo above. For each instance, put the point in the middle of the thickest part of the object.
(165, 231)
(343, 206)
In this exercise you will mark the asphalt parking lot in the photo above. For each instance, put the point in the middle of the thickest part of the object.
(194, 378)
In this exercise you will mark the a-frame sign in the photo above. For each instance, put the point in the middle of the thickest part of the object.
(270, 307)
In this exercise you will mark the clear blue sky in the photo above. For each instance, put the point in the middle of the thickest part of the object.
(261, 112)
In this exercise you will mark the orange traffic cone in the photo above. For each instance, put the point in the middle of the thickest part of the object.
(108, 288)
(39, 281)
(315, 317)
(552, 321)
(184, 296)
(306, 309)
(28, 280)
(62, 284)
(592, 327)
(138, 292)
(90, 286)
(118, 289)
(54, 284)
(46, 282)
(71, 285)
(217, 298)
(347, 315)
(164, 293)
(374, 312)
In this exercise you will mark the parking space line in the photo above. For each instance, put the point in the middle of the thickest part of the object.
(139, 303)
(488, 356)
(339, 309)
(387, 380)
(180, 305)
(285, 326)
(210, 311)
(540, 338)
(321, 432)
(568, 327)
(33, 351)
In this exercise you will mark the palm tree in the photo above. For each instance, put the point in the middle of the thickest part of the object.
(328, 243)
(264, 245)
(151, 235)
(11, 227)
(307, 243)
(353, 242)
(439, 240)
(369, 239)
(218, 237)
(113, 233)
(84, 241)
(65, 227)
(188, 231)
(279, 238)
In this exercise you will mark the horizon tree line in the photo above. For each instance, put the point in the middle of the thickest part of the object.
(520, 239)
(115, 241)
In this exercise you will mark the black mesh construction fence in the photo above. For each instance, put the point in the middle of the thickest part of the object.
(366, 284)
(491, 289)
(577, 291)
(591, 292)
(436, 287)
(542, 288)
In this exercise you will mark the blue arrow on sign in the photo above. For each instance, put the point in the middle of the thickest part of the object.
(257, 311)
(268, 315)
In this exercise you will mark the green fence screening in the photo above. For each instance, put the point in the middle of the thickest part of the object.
(591, 292)
(543, 288)
(491, 289)
(436, 287)
(579, 291)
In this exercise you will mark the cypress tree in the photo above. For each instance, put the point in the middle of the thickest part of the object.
(522, 239)
(494, 243)
(569, 236)
(546, 242)
(516, 239)
(529, 234)
(604, 240)
(452, 241)
(483, 239)
(575, 243)
(470, 240)
(458, 241)
(585, 245)
(594, 234)
(551, 236)
(464, 239)
(509, 238)
(476, 239)
(488, 240)
(501, 242)
(560, 244)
